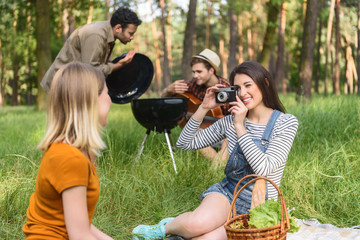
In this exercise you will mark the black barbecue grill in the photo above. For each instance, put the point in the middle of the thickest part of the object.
(155, 114)
(160, 115)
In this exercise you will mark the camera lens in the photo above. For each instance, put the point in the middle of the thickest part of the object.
(222, 96)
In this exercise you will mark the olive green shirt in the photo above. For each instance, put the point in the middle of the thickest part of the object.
(89, 44)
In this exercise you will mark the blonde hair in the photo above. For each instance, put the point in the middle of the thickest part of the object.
(72, 114)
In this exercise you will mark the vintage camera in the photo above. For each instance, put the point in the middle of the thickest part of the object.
(226, 94)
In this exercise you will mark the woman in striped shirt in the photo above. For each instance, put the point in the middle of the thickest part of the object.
(260, 136)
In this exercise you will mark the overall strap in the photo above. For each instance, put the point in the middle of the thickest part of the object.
(269, 126)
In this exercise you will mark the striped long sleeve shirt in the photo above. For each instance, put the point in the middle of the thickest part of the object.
(270, 164)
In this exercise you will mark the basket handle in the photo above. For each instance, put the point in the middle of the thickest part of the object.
(284, 214)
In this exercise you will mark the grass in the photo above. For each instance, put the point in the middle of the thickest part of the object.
(320, 179)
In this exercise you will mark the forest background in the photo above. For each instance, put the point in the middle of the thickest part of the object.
(309, 46)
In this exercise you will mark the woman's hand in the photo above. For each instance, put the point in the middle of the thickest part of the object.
(238, 111)
(207, 104)
(209, 101)
(259, 193)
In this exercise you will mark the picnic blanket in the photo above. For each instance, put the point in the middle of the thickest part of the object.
(312, 229)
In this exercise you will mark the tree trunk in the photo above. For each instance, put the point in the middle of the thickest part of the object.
(240, 45)
(327, 45)
(148, 51)
(336, 83)
(135, 41)
(60, 26)
(254, 40)
(169, 37)
(251, 47)
(14, 85)
(71, 18)
(223, 55)
(68, 18)
(233, 39)
(2, 69)
(188, 41)
(65, 21)
(288, 88)
(29, 87)
(280, 69)
(15, 63)
(166, 71)
(307, 56)
(91, 8)
(107, 9)
(272, 18)
(29, 81)
(318, 52)
(43, 52)
(271, 65)
(208, 17)
(304, 6)
(351, 73)
(251, 39)
(332, 63)
(358, 50)
(157, 87)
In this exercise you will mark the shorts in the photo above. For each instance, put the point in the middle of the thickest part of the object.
(243, 202)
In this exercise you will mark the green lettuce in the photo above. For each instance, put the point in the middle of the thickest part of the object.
(269, 214)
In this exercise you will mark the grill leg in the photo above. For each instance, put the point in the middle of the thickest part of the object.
(170, 148)
(142, 145)
(172, 142)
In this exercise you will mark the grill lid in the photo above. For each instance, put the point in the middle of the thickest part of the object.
(130, 81)
(159, 114)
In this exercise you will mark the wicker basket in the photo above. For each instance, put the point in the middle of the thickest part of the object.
(277, 232)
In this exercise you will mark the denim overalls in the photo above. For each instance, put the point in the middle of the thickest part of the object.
(237, 167)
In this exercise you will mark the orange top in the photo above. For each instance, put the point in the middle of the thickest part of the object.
(61, 167)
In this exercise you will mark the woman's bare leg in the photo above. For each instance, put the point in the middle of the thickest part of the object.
(217, 234)
(209, 216)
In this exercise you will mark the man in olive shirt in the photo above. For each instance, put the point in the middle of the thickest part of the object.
(93, 43)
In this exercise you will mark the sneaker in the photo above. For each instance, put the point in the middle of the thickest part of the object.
(166, 220)
(149, 232)
(175, 238)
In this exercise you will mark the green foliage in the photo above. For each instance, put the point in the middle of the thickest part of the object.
(269, 214)
(18, 45)
(265, 215)
(320, 179)
(240, 6)
(18, 41)
(322, 168)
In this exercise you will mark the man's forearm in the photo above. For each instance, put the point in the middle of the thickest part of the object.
(166, 93)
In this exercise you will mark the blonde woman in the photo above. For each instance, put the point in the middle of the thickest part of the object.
(67, 185)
